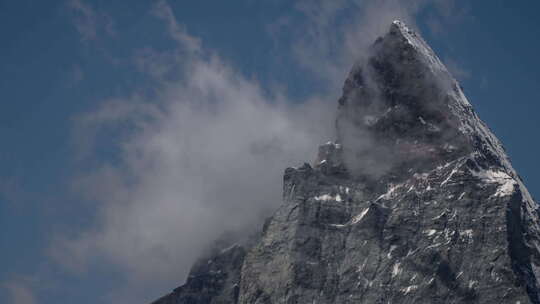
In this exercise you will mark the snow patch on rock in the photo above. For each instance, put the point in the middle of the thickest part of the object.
(505, 181)
(396, 269)
(328, 197)
(430, 232)
(360, 216)
(409, 289)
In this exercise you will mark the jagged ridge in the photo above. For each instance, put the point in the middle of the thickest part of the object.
(417, 202)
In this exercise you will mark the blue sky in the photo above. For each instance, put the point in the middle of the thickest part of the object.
(111, 111)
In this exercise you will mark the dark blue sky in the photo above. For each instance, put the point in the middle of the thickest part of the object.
(62, 59)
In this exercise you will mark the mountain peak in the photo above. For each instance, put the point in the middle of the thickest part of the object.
(400, 33)
(417, 202)
(399, 26)
(402, 112)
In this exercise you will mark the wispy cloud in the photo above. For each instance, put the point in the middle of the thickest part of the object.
(162, 10)
(19, 292)
(202, 150)
(447, 14)
(456, 69)
(332, 35)
(205, 154)
(89, 22)
(74, 75)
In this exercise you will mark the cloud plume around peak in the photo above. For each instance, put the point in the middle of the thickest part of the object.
(204, 151)
(203, 155)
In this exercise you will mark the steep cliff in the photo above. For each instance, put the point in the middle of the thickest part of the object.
(415, 202)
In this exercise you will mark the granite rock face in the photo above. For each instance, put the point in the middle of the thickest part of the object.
(213, 279)
(416, 202)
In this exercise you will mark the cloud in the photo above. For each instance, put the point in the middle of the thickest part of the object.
(74, 76)
(204, 154)
(456, 69)
(162, 10)
(446, 15)
(334, 36)
(90, 23)
(19, 292)
(202, 149)
(331, 36)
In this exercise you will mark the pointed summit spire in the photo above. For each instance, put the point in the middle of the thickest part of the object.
(432, 213)
(422, 49)
(401, 111)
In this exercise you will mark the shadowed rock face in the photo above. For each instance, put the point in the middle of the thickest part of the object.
(415, 203)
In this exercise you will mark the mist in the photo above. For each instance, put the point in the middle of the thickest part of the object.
(204, 153)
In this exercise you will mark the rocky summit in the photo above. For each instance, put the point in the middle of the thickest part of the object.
(415, 202)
